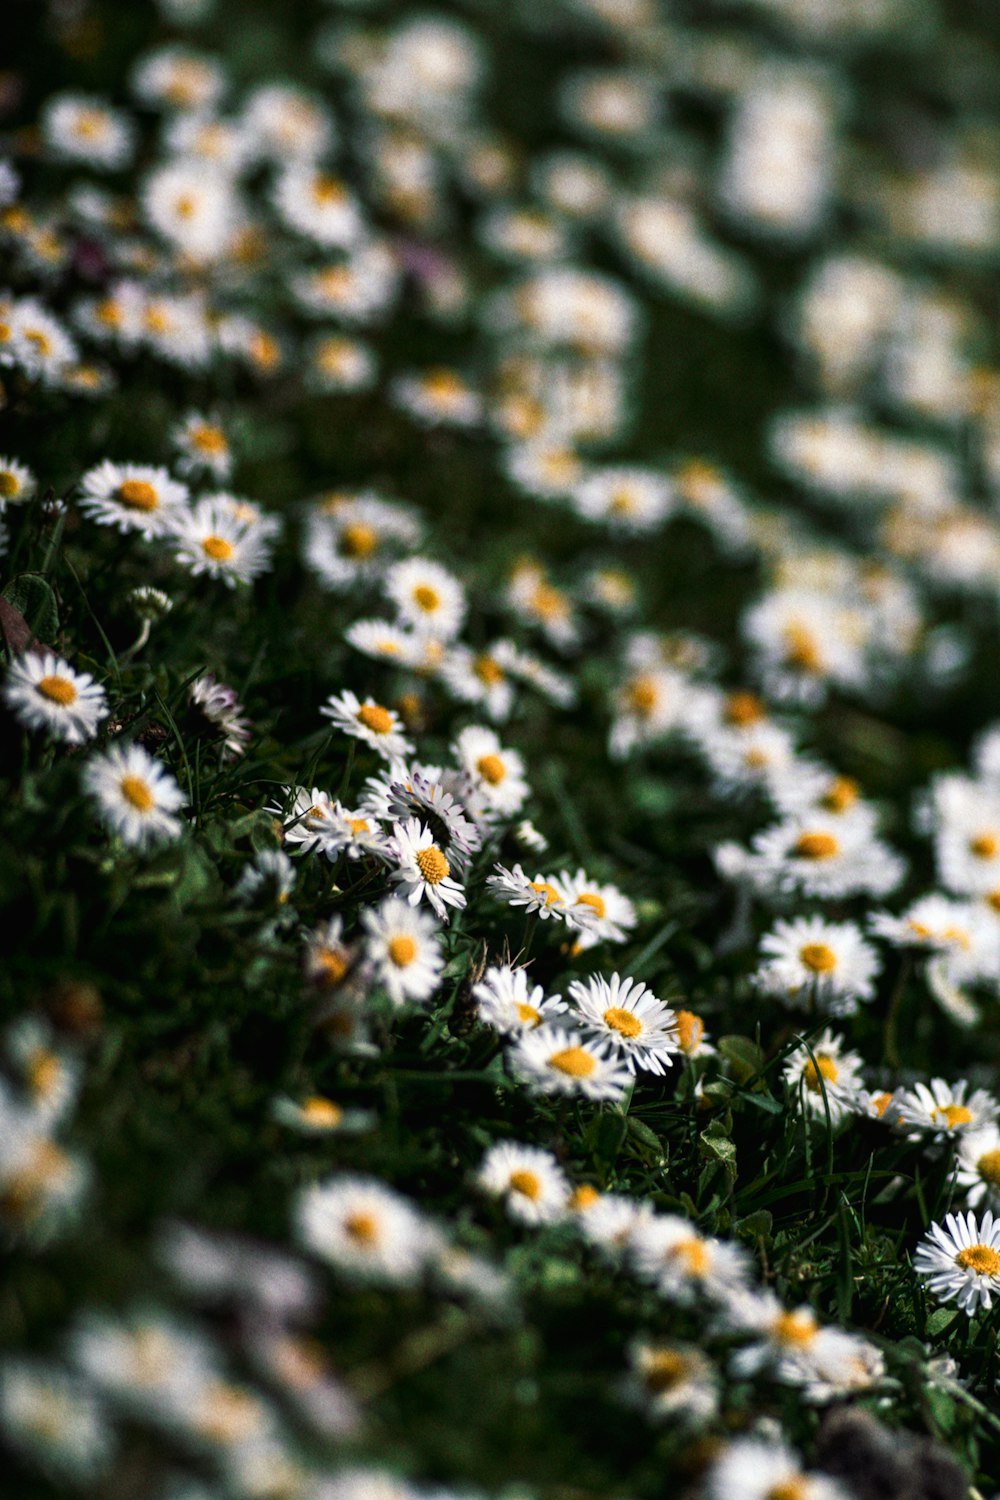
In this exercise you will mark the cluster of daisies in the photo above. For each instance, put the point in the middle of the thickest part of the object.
(216, 280)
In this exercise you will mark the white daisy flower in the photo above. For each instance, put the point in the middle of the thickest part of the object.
(943, 1108)
(211, 539)
(530, 1181)
(824, 857)
(825, 1077)
(391, 643)
(960, 1261)
(506, 1001)
(552, 1060)
(437, 396)
(142, 1363)
(379, 727)
(540, 896)
(756, 1469)
(649, 705)
(962, 936)
(427, 597)
(52, 1417)
(317, 1115)
(178, 78)
(285, 122)
(132, 497)
(424, 870)
(810, 959)
(628, 500)
(609, 1222)
(43, 692)
(496, 774)
(624, 1011)
(309, 821)
(671, 1380)
(692, 1038)
(431, 795)
(668, 1251)
(221, 710)
(268, 878)
(49, 1077)
(203, 447)
(481, 678)
(403, 950)
(339, 364)
(136, 796)
(354, 834)
(318, 205)
(39, 343)
(977, 1167)
(83, 129)
(348, 536)
(364, 1229)
(599, 913)
(17, 483)
(193, 207)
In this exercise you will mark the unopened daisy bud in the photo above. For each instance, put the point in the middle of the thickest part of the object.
(529, 837)
(149, 603)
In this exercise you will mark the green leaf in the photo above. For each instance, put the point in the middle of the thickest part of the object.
(743, 1055)
(941, 1319)
(33, 598)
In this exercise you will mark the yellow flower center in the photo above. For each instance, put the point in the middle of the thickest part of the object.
(58, 690)
(623, 1021)
(795, 1329)
(89, 124)
(953, 1114)
(527, 1013)
(491, 768)
(137, 793)
(426, 598)
(979, 1258)
(694, 1255)
(487, 670)
(788, 1489)
(816, 846)
(44, 1072)
(824, 1068)
(432, 865)
(362, 1228)
(186, 206)
(443, 385)
(623, 502)
(690, 1030)
(327, 190)
(993, 901)
(744, 708)
(801, 649)
(527, 1184)
(841, 794)
(818, 957)
(264, 350)
(595, 901)
(376, 718)
(574, 1061)
(358, 540)
(642, 696)
(550, 603)
(561, 466)
(9, 485)
(664, 1370)
(217, 548)
(323, 1112)
(546, 888)
(985, 846)
(988, 1167)
(40, 339)
(332, 967)
(584, 1197)
(402, 951)
(208, 439)
(138, 494)
(359, 825)
(880, 1103)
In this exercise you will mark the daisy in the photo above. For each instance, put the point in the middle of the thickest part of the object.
(354, 834)
(631, 501)
(132, 497)
(437, 396)
(943, 1108)
(143, 1363)
(79, 128)
(193, 207)
(222, 711)
(431, 795)
(379, 727)
(960, 1262)
(553, 1060)
(43, 692)
(328, 960)
(209, 538)
(977, 1167)
(403, 951)
(530, 1181)
(318, 205)
(137, 798)
(810, 959)
(49, 1077)
(824, 857)
(599, 913)
(309, 821)
(756, 1469)
(423, 868)
(479, 678)
(268, 879)
(427, 597)
(391, 643)
(507, 1002)
(363, 1229)
(203, 447)
(53, 1418)
(649, 705)
(668, 1251)
(17, 483)
(338, 364)
(348, 535)
(317, 1115)
(39, 343)
(609, 1222)
(670, 1380)
(285, 122)
(540, 896)
(641, 1027)
(692, 1038)
(825, 1077)
(496, 774)
(175, 77)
